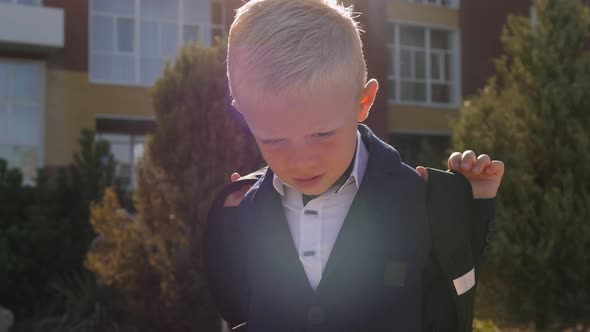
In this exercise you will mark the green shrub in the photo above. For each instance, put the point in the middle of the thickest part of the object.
(45, 230)
(484, 326)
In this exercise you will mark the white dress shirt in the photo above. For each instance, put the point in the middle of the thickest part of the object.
(315, 227)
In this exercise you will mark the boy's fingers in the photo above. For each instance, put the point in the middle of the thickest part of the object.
(236, 197)
(481, 163)
(423, 172)
(495, 167)
(454, 161)
(467, 160)
(235, 176)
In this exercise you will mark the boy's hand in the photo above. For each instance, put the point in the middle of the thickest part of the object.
(483, 173)
(236, 197)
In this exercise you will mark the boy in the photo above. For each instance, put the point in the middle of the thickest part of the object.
(335, 236)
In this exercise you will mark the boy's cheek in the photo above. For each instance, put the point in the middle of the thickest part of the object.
(266, 153)
(272, 158)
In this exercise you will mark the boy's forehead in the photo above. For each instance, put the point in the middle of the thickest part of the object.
(282, 127)
(280, 116)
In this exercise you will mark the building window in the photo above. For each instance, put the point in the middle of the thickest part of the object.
(21, 116)
(423, 66)
(126, 138)
(218, 20)
(23, 2)
(127, 150)
(131, 40)
(444, 3)
(533, 15)
(418, 149)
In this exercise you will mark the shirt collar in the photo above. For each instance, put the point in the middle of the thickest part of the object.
(358, 170)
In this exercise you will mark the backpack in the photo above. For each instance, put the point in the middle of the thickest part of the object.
(460, 242)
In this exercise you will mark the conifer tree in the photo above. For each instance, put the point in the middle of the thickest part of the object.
(534, 114)
(199, 141)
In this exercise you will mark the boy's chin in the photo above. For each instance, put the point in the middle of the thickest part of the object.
(312, 187)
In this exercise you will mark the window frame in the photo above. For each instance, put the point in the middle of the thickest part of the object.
(454, 4)
(40, 144)
(37, 3)
(533, 17)
(131, 138)
(221, 25)
(204, 28)
(405, 144)
(455, 95)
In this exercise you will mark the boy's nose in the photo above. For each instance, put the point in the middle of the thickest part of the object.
(302, 161)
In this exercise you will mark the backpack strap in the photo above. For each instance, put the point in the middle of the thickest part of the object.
(450, 213)
(223, 255)
(249, 180)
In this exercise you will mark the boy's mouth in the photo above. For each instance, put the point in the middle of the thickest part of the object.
(309, 181)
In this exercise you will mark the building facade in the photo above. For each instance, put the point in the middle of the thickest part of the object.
(429, 55)
(66, 65)
(424, 74)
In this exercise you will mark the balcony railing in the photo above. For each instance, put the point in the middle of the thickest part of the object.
(26, 25)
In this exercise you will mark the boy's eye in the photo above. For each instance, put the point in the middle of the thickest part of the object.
(325, 134)
(271, 141)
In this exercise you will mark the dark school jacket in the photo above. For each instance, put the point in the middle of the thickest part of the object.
(402, 244)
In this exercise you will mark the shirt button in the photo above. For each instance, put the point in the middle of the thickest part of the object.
(315, 315)
(311, 213)
(309, 253)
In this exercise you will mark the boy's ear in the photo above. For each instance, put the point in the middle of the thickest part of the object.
(367, 99)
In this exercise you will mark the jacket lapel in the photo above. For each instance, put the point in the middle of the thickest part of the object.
(374, 206)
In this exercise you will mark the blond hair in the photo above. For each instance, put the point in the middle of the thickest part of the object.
(294, 46)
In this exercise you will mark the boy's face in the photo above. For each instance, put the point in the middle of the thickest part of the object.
(308, 142)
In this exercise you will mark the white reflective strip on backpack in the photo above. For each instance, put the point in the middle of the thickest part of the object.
(465, 283)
